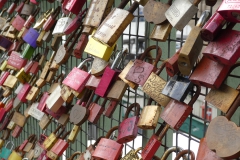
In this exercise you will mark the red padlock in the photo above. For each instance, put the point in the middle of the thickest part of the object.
(110, 74)
(18, 22)
(42, 103)
(6, 109)
(52, 19)
(59, 147)
(175, 113)
(209, 73)
(82, 43)
(31, 18)
(230, 10)
(108, 149)
(25, 90)
(73, 6)
(77, 78)
(172, 64)
(128, 129)
(17, 131)
(93, 82)
(7, 119)
(212, 27)
(4, 77)
(16, 46)
(2, 3)
(12, 7)
(21, 147)
(154, 142)
(111, 107)
(140, 71)
(20, 7)
(16, 61)
(96, 110)
(225, 49)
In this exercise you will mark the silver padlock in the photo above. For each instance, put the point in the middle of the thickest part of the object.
(61, 25)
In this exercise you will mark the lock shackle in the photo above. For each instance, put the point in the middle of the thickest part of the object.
(160, 69)
(170, 150)
(4, 10)
(97, 98)
(137, 150)
(169, 2)
(74, 155)
(90, 99)
(183, 152)
(233, 107)
(203, 18)
(149, 101)
(196, 2)
(123, 4)
(31, 137)
(156, 158)
(133, 7)
(109, 133)
(97, 141)
(104, 102)
(129, 109)
(121, 54)
(58, 128)
(65, 135)
(159, 54)
(56, 12)
(84, 61)
(162, 130)
(9, 142)
(195, 97)
(75, 38)
(35, 12)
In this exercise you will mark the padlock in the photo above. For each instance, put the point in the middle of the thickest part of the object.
(206, 67)
(192, 47)
(59, 147)
(5, 153)
(33, 93)
(22, 76)
(52, 138)
(20, 7)
(111, 107)
(42, 103)
(81, 45)
(110, 75)
(17, 131)
(2, 19)
(31, 18)
(16, 61)
(77, 78)
(10, 82)
(39, 40)
(154, 11)
(224, 49)
(2, 3)
(61, 25)
(140, 71)
(79, 113)
(117, 90)
(27, 9)
(96, 110)
(229, 10)
(6, 109)
(178, 87)
(16, 46)
(6, 121)
(52, 19)
(73, 6)
(45, 121)
(31, 37)
(149, 116)
(154, 86)
(11, 33)
(212, 27)
(132, 154)
(19, 119)
(12, 7)
(64, 51)
(98, 66)
(16, 155)
(4, 77)
(74, 155)
(108, 149)
(35, 112)
(128, 129)
(55, 100)
(181, 12)
(222, 98)
(42, 19)
(73, 134)
(55, 43)
(115, 23)
(92, 82)
(7, 92)
(161, 32)
(205, 153)
(29, 140)
(154, 142)
(90, 150)
(63, 119)
(172, 65)
(5, 43)
(37, 150)
(175, 113)
(18, 23)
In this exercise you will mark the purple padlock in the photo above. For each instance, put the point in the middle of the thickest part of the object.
(5, 43)
(31, 37)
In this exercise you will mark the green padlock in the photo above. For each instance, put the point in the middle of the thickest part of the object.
(6, 151)
(28, 52)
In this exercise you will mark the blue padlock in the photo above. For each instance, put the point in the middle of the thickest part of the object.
(6, 151)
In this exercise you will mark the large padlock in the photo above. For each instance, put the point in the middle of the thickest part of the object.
(110, 75)
(52, 19)
(5, 153)
(149, 116)
(140, 71)
(181, 12)
(61, 25)
(206, 67)
(52, 138)
(65, 50)
(225, 48)
(221, 140)
(192, 47)
(73, 6)
(128, 129)
(108, 149)
(175, 113)
(178, 87)
(115, 23)
(229, 10)
(154, 142)
(96, 110)
(222, 98)
(22, 76)
(154, 86)
(154, 11)
(212, 27)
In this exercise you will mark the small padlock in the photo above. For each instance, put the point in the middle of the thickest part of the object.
(73, 6)
(45, 121)
(229, 10)
(73, 135)
(52, 19)
(35, 112)
(17, 131)
(61, 25)
(132, 155)
(5, 153)
(161, 32)
(27, 9)
(19, 119)
(96, 110)
(18, 23)
(16, 61)
(111, 107)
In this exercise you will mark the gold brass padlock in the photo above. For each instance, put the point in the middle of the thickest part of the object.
(40, 38)
(50, 76)
(22, 76)
(7, 92)
(10, 82)
(132, 155)
(40, 82)
(161, 32)
(11, 125)
(21, 34)
(45, 121)
(73, 134)
(3, 66)
(2, 141)
(33, 93)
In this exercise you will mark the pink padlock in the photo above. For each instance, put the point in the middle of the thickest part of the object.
(73, 6)
(16, 61)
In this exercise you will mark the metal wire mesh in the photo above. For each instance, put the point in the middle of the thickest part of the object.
(136, 39)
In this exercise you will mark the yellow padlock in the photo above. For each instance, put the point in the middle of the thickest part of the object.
(73, 134)
(22, 76)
